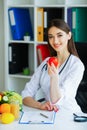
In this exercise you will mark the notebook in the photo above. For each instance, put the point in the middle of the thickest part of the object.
(37, 117)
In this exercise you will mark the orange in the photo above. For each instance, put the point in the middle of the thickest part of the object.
(5, 107)
(0, 108)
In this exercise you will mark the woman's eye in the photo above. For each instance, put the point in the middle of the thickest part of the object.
(50, 37)
(59, 35)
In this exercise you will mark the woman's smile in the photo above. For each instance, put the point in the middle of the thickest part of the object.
(56, 45)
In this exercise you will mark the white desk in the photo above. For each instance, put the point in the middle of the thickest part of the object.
(63, 121)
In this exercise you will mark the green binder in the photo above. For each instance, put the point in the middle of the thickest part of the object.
(79, 24)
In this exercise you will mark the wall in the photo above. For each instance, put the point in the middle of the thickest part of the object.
(1, 45)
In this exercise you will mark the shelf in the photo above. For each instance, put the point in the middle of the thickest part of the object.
(21, 41)
(20, 76)
(49, 2)
(20, 3)
(76, 2)
(53, 6)
(21, 6)
(84, 5)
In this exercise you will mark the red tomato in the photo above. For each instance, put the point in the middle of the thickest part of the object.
(53, 60)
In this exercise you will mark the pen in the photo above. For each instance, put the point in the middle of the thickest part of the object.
(43, 115)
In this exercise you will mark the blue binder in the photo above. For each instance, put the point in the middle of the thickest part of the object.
(20, 23)
(69, 17)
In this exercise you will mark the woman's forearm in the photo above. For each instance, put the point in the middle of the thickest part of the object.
(55, 93)
(29, 101)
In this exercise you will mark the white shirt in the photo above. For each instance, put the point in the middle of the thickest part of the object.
(69, 80)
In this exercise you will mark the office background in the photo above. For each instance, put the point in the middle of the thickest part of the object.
(16, 81)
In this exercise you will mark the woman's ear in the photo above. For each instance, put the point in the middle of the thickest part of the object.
(69, 35)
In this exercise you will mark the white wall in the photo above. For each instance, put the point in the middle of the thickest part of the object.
(1, 46)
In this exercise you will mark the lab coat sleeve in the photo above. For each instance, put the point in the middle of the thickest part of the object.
(70, 84)
(33, 85)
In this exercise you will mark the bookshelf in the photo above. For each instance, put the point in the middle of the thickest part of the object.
(17, 81)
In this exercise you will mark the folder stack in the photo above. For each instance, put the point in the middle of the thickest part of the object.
(78, 22)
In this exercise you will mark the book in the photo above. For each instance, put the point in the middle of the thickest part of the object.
(37, 117)
(18, 57)
(42, 52)
(40, 24)
(20, 23)
(79, 22)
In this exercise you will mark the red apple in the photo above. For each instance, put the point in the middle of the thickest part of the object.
(53, 60)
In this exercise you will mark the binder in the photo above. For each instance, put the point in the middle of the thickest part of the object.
(40, 23)
(20, 23)
(42, 52)
(18, 57)
(69, 17)
(49, 14)
(54, 13)
(45, 25)
(44, 15)
(79, 22)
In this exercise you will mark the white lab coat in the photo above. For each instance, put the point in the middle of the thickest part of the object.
(69, 80)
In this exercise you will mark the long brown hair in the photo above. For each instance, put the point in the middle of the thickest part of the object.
(61, 24)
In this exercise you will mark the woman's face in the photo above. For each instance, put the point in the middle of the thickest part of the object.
(58, 39)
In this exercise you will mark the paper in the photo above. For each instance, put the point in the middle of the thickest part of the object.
(37, 117)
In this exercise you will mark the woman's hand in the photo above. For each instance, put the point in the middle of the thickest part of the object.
(52, 70)
(48, 106)
(55, 93)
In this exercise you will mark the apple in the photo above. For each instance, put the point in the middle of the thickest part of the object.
(53, 60)
(1, 95)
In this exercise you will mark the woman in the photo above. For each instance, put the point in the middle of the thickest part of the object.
(60, 84)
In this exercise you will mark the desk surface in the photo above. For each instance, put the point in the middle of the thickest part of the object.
(63, 121)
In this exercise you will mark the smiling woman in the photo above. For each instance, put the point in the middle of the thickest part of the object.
(58, 84)
(57, 37)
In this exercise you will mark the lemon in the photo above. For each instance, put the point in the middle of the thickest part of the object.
(7, 118)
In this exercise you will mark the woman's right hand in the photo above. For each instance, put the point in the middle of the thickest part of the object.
(52, 70)
(48, 106)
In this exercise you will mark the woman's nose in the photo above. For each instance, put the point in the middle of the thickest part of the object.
(55, 40)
